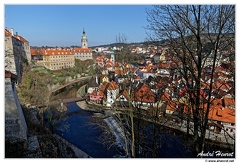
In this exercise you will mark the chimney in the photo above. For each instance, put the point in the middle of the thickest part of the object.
(16, 33)
(11, 31)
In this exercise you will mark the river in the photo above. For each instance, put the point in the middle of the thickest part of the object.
(78, 128)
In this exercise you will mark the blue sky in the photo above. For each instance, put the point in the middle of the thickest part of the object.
(62, 25)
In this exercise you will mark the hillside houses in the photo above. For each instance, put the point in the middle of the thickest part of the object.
(159, 85)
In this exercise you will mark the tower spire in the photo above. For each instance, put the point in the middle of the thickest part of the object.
(113, 60)
(84, 41)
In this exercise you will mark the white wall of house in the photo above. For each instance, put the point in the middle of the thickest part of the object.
(91, 89)
(111, 97)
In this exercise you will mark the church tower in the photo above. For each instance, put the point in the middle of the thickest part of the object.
(113, 60)
(84, 40)
(113, 57)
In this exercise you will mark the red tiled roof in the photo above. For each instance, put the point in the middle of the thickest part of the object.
(108, 65)
(228, 102)
(20, 38)
(103, 86)
(117, 64)
(221, 85)
(100, 58)
(57, 52)
(225, 115)
(121, 72)
(35, 52)
(112, 86)
(144, 94)
(216, 102)
(7, 33)
(165, 96)
(82, 50)
(97, 93)
(171, 106)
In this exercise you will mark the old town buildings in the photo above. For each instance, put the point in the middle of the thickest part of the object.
(17, 52)
(59, 58)
(159, 86)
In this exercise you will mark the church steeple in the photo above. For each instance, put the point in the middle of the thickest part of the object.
(84, 41)
(113, 60)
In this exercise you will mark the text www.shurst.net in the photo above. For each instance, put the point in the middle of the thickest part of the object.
(219, 160)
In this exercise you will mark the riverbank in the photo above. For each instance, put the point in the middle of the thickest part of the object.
(42, 143)
(170, 122)
(90, 107)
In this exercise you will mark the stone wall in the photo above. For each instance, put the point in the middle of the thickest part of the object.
(15, 125)
(10, 64)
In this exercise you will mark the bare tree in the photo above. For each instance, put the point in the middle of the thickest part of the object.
(189, 29)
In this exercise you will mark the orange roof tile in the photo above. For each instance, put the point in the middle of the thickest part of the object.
(229, 102)
(121, 72)
(221, 85)
(165, 96)
(57, 52)
(216, 102)
(7, 33)
(97, 93)
(108, 65)
(103, 86)
(82, 50)
(144, 94)
(112, 86)
(20, 38)
(35, 52)
(225, 115)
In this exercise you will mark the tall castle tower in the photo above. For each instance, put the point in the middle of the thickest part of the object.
(84, 40)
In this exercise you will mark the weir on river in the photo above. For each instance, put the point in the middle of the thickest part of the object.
(117, 131)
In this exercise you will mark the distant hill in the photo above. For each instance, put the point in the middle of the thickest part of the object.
(162, 42)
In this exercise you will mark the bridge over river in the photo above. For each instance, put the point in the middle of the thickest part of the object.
(82, 80)
(68, 92)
